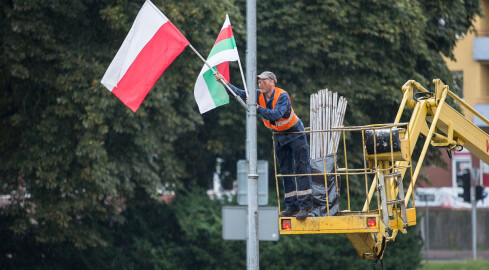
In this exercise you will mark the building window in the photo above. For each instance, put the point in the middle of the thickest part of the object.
(458, 83)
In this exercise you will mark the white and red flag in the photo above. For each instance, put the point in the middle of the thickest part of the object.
(208, 93)
(150, 47)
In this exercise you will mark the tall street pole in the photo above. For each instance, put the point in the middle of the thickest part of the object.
(252, 248)
(475, 177)
(427, 229)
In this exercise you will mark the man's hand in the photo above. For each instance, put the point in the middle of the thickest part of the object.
(256, 104)
(220, 78)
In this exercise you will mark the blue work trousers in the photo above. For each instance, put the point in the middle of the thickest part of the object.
(293, 158)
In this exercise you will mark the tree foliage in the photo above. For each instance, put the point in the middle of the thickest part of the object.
(83, 170)
(70, 144)
(365, 50)
(187, 235)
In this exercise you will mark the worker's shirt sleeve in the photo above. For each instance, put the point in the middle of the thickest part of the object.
(236, 90)
(281, 109)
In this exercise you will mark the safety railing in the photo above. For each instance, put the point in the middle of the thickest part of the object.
(384, 150)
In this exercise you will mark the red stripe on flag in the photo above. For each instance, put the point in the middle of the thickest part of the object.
(224, 34)
(148, 66)
(223, 68)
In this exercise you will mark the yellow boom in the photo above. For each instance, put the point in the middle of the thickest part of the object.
(369, 230)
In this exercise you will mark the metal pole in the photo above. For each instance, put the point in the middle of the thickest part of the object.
(252, 246)
(474, 223)
(243, 78)
(475, 176)
(427, 229)
(312, 116)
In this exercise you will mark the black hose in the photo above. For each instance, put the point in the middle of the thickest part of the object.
(422, 95)
(377, 257)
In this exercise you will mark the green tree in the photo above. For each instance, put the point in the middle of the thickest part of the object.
(183, 235)
(365, 50)
(187, 235)
(70, 145)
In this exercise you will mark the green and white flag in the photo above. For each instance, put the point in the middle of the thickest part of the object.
(209, 93)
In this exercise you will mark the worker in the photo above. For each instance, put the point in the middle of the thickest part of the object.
(292, 151)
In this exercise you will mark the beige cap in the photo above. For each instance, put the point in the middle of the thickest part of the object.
(268, 75)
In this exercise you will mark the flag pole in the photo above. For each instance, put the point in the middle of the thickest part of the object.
(239, 64)
(242, 76)
(222, 81)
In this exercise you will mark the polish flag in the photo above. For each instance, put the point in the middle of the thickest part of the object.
(151, 46)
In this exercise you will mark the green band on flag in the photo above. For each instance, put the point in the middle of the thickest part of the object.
(226, 44)
(217, 91)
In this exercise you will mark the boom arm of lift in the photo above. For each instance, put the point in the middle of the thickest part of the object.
(458, 131)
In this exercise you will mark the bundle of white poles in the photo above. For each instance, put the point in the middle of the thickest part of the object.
(326, 113)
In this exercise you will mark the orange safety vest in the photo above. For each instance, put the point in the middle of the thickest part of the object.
(283, 123)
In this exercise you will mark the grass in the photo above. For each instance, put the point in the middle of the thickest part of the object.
(456, 265)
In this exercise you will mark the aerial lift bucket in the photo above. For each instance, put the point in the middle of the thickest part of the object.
(381, 171)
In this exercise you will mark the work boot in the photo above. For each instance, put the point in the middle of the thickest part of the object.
(289, 213)
(303, 214)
